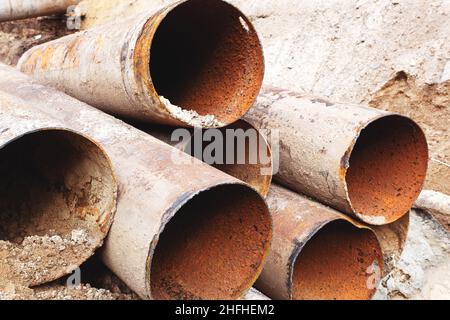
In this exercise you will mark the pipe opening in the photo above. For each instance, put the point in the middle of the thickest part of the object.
(57, 198)
(206, 57)
(387, 169)
(214, 247)
(335, 264)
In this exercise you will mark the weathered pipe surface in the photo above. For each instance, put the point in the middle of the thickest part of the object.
(22, 9)
(392, 238)
(318, 253)
(58, 195)
(180, 231)
(362, 161)
(436, 203)
(195, 63)
(255, 173)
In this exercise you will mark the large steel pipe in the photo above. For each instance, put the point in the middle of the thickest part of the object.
(362, 161)
(57, 195)
(318, 253)
(22, 9)
(181, 231)
(195, 63)
(244, 152)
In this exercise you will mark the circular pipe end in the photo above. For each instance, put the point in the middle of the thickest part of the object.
(387, 169)
(214, 247)
(206, 63)
(340, 262)
(57, 200)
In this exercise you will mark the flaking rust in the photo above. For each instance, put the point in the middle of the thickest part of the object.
(148, 67)
(257, 167)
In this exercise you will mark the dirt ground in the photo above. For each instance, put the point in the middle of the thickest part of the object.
(18, 37)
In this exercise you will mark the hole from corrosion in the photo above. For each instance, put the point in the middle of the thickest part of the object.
(214, 247)
(335, 264)
(57, 197)
(387, 168)
(206, 57)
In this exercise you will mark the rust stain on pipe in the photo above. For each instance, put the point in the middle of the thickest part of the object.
(256, 174)
(57, 196)
(230, 228)
(195, 63)
(22, 9)
(318, 253)
(362, 161)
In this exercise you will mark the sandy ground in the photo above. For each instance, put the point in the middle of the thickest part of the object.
(369, 52)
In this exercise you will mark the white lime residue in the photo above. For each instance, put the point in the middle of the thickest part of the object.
(191, 117)
(373, 220)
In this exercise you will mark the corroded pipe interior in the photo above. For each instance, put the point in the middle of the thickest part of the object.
(59, 184)
(206, 57)
(387, 168)
(334, 264)
(214, 247)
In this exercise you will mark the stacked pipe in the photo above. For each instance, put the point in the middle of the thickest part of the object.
(186, 232)
(175, 67)
(22, 9)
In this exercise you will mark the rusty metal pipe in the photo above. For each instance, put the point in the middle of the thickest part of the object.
(257, 173)
(195, 63)
(22, 9)
(57, 196)
(392, 238)
(365, 162)
(180, 231)
(318, 253)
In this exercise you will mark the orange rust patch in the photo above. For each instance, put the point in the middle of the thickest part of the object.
(141, 55)
(334, 264)
(72, 52)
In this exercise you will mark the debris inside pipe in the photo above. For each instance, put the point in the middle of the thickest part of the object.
(238, 150)
(194, 63)
(57, 198)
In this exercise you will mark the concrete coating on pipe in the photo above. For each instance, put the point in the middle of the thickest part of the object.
(194, 63)
(365, 162)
